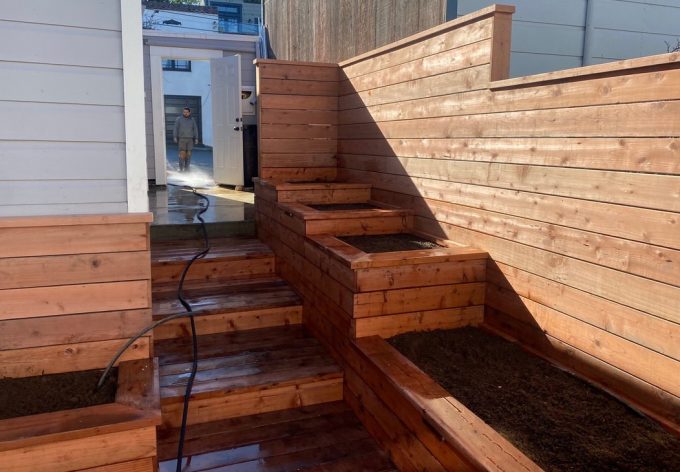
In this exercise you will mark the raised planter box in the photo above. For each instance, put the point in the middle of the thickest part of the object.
(112, 436)
(450, 432)
(410, 290)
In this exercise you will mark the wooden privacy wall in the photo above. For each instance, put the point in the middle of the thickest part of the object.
(297, 111)
(570, 181)
(332, 30)
(72, 290)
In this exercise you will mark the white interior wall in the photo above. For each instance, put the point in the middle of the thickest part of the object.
(195, 83)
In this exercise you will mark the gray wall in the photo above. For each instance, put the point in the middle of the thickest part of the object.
(549, 35)
(228, 48)
(62, 133)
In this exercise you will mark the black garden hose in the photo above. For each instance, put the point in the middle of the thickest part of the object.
(190, 315)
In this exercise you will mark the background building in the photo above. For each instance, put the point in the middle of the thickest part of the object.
(547, 35)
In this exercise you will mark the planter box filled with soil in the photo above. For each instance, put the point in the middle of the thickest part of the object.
(394, 283)
(558, 420)
(62, 422)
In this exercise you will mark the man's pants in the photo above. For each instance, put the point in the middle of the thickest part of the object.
(185, 147)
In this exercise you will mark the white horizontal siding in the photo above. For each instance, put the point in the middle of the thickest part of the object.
(62, 128)
(54, 160)
(30, 192)
(98, 14)
(63, 209)
(26, 121)
(60, 84)
(47, 44)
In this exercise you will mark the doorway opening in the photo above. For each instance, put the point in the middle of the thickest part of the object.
(186, 84)
(210, 85)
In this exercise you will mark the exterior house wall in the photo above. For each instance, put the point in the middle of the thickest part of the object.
(62, 129)
(229, 45)
(550, 35)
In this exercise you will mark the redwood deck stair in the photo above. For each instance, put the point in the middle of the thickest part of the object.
(326, 437)
(267, 395)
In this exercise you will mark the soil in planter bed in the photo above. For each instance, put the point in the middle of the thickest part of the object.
(561, 422)
(389, 242)
(55, 392)
(343, 206)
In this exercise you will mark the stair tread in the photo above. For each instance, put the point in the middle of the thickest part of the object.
(216, 296)
(243, 361)
(166, 252)
(320, 437)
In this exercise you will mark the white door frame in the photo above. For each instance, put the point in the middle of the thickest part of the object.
(156, 56)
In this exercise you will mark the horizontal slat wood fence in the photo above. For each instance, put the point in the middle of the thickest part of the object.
(72, 290)
(569, 180)
(297, 112)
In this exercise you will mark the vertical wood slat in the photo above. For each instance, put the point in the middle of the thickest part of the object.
(335, 30)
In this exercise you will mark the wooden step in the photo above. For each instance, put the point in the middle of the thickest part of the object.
(245, 373)
(313, 192)
(306, 220)
(325, 437)
(228, 259)
(224, 306)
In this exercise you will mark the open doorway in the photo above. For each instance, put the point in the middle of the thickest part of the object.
(186, 86)
(212, 83)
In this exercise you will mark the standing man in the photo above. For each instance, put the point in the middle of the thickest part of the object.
(185, 135)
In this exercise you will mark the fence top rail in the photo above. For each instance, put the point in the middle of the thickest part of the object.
(666, 59)
(260, 61)
(449, 25)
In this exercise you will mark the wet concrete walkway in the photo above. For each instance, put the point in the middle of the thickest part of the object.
(176, 205)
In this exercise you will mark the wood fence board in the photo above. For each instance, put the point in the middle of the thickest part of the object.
(29, 362)
(68, 299)
(41, 271)
(658, 155)
(78, 239)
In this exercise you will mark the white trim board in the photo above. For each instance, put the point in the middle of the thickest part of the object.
(156, 55)
(213, 37)
(133, 90)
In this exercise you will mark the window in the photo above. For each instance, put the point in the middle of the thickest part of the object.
(177, 65)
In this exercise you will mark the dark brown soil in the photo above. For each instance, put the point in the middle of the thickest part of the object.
(48, 393)
(389, 242)
(558, 420)
(344, 206)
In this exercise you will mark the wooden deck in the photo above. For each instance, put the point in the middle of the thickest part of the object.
(326, 437)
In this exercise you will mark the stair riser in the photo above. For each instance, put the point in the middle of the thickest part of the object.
(204, 410)
(214, 270)
(230, 322)
(351, 226)
(324, 196)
